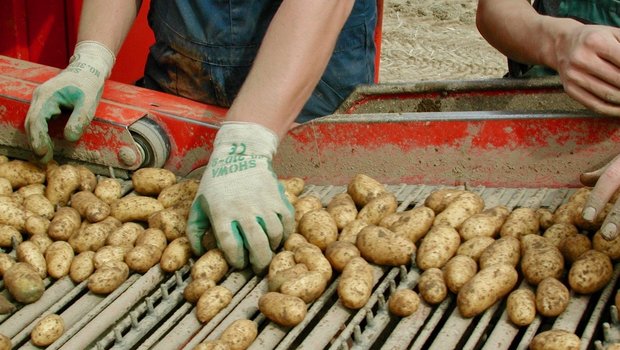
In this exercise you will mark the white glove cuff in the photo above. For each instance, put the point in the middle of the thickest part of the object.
(257, 138)
(96, 54)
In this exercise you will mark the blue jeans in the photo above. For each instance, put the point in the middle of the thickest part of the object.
(204, 51)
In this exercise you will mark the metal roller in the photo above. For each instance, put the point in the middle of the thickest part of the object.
(151, 141)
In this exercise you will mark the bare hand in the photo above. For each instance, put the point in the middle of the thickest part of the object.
(606, 181)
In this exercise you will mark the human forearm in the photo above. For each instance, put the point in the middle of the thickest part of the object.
(290, 62)
(107, 21)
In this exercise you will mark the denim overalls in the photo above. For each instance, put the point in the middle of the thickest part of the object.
(204, 50)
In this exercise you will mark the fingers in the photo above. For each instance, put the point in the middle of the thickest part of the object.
(608, 182)
(272, 226)
(257, 243)
(609, 229)
(197, 224)
(82, 113)
(590, 178)
(230, 241)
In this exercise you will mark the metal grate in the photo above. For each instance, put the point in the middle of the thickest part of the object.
(148, 311)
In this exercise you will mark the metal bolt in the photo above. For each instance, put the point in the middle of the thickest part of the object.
(127, 155)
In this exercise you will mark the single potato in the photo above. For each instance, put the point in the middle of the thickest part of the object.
(47, 330)
(285, 310)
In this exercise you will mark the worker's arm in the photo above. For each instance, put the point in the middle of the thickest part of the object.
(103, 27)
(587, 57)
(239, 195)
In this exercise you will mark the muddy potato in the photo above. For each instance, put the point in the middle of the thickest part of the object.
(308, 286)
(108, 277)
(177, 193)
(135, 208)
(281, 261)
(349, 233)
(545, 218)
(362, 189)
(66, 221)
(125, 235)
(24, 283)
(13, 200)
(487, 223)
(211, 265)
(339, 253)
(90, 206)
(390, 219)
(82, 266)
(314, 260)
(305, 204)
(458, 271)
(506, 250)
(5, 187)
(590, 272)
(240, 334)
(285, 310)
(474, 247)
(520, 222)
(212, 345)
(378, 208)
(61, 183)
(153, 237)
(294, 185)
(13, 216)
(93, 236)
(58, 257)
(88, 180)
(142, 257)
(47, 330)
(196, 288)
(355, 284)
(555, 339)
(486, 288)
(610, 248)
(572, 247)
(28, 252)
(438, 246)
(438, 200)
(8, 234)
(211, 302)
(460, 209)
(171, 221)
(6, 261)
(552, 297)
(21, 173)
(566, 213)
(275, 281)
(319, 228)
(541, 260)
(383, 247)
(293, 241)
(151, 181)
(342, 209)
(403, 302)
(108, 190)
(37, 225)
(5, 342)
(41, 241)
(109, 253)
(432, 286)
(556, 233)
(176, 255)
(414, 224)
(521, 307)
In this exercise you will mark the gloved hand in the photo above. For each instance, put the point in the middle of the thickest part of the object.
(79, 86)
(241, 199)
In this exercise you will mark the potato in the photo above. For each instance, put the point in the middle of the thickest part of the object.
(580, 196)
(66, 221)
(438, 200)
(151, 181)
(108, 190)
(403, 302)
(5, 187)
(41, 241)
(474, 247)
(572, 247)
(109, 253)
(82, 266)
(196, 288)
(21, 173)
(521, 307)
(47, 330)
(211, 265)
(505, 250)
(293, 241)
(566, 213)
(6, 261)
(308, 286)
(460, 209)
(177, 193)
(176, 255)
(13, 200)
(305, 204)
(211, 302)
(383, 247)
(486, 288)
(5, 342)
(30, 253)
(594, 225)
(339, 253)
(432, 286)
(108, 277)
(294, 185)
(153, 237)
(555, 339)
(545, 218)
(281, 261)
(521, 221)
(342, 209)
(319, 228)
(12, 216)
(58, 258)
(556, 233)
(458, 271)
(378, 208)
(37, 225)
(240, 334)
(142, 257)
(552, 297)
(349, 233)
(414, 224)
(61, 184)
(135, 208)
(126, 235)
(8, 234)
(541, 260)
(171, 221)
(314, 260)
(212, 345)
(363, 189)
(438, 246)
(590, 272)
(285, 310)
(390, 219)
(24, 283)
(88, 180)
(90, 206)
(355, 284)
(487, 223)
(610, 248)
(27, 191)
(276, 280)
(93, 236)
(529, 241)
